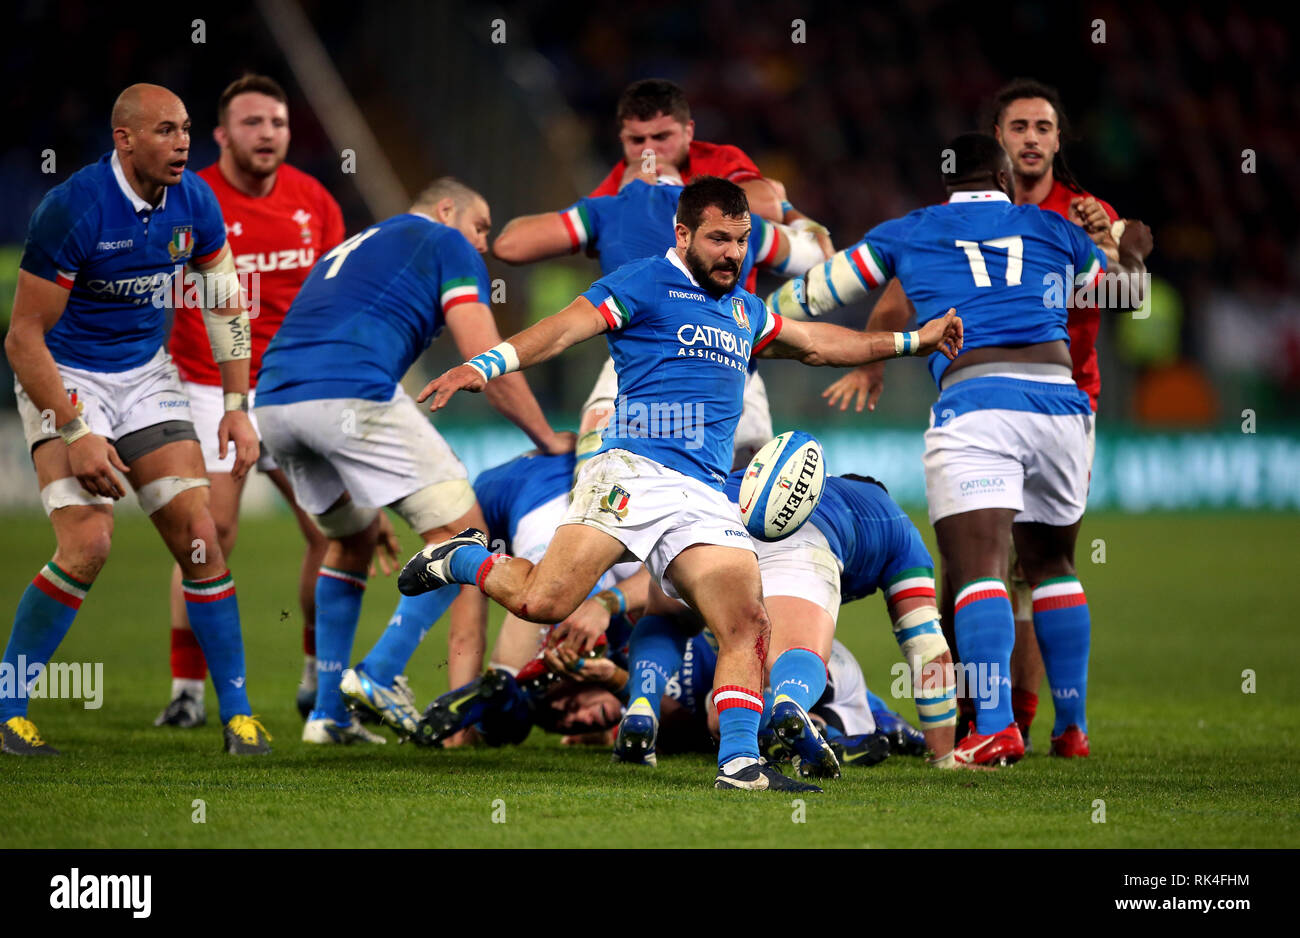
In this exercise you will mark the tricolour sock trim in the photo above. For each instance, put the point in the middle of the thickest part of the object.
(347, 576)
(60, 587)
(983, 588)
(209, 590)
(733, 695)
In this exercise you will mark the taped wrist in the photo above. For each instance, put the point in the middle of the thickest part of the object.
(496, 361)
(230, 336)
(805, 252)
(74, 430)
(921, 641)
(788, 302)
(906, 343)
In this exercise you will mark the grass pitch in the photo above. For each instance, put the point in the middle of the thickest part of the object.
(1183, 757)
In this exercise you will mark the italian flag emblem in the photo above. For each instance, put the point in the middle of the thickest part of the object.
(615, 501)
(182, 242)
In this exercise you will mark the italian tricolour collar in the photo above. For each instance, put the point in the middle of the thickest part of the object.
(137, 203)
(979, 195)
(677, 262)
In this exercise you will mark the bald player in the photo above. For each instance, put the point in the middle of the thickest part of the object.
(98, 393)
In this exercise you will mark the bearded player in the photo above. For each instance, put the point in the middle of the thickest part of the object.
(681, 330)
(279, 221)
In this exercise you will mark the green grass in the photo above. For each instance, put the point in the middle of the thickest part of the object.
(1182, 757)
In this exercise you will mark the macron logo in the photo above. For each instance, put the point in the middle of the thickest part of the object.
(75, 891)
(683, 295)
(114, 245)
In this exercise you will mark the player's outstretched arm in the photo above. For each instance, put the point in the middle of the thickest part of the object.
(38, 305)
(475, 333)
(892, 312)
(820, 343)
(531, 238)
(231, 336)
(577, 322)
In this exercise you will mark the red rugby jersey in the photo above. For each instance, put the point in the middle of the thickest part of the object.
(279, 237)
(704, 159)
(1082, 324)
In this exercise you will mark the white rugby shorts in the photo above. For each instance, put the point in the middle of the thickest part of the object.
(114, 403)
(379, 451)
(801, 565)
(656, 512)
(1035, 462)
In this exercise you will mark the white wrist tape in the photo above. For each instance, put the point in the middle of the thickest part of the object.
(230, 336)
(804, 252)
(496, 361)
(74, 430)
(906, 343)
(235, 400)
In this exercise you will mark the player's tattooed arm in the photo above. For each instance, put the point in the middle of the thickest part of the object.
(531, 238)
(820, 343)
(577, 322)
(892, 312)
(38, 305)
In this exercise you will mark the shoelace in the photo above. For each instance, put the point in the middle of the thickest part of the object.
(26, 729)
(257, 725)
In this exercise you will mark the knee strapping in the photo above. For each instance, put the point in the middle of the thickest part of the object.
(68, 493)
(160, 492)
(345, 520)
(435, 505)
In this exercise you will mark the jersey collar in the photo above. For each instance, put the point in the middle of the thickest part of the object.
(677, 262)
(424, 216)
(137, 203)
(979, 195)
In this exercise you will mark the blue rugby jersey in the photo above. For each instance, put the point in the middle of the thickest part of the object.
(681, 357)
(369, 308)
(1007, 269)
(508, 492)
(638, 222)
(118, 255)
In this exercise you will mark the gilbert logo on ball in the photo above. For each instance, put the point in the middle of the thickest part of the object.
(781, 485)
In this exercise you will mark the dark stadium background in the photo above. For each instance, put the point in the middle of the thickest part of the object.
(852, 120)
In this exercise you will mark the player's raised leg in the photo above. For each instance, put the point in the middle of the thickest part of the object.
(723, 585)
(83, 532)
(172, 489)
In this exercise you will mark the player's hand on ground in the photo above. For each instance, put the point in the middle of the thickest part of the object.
(236, 428)
(1136, 238)
(863, 383)
(942, 335)
(582, 629)
(441, 388)
(388, 549)
(93, 459)
(562, 442)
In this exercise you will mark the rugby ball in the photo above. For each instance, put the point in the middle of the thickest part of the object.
(782, 485)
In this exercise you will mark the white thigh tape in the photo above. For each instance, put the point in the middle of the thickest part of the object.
(68, 493)
(435, 505)
(925, 645)
(346, 519)
(160, 492)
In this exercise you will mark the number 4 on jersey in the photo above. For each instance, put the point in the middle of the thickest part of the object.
(340, 253)
(1015, 257)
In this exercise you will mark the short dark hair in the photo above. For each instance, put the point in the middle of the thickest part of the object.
(705, 191)
(1019, 89)
(650, 97)
(974, 156)
(261, 84)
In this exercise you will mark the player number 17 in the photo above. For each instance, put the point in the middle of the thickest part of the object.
(979, 270)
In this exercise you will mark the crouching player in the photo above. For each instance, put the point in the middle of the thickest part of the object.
(857, 541)
(97, 392)
(351, 441)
